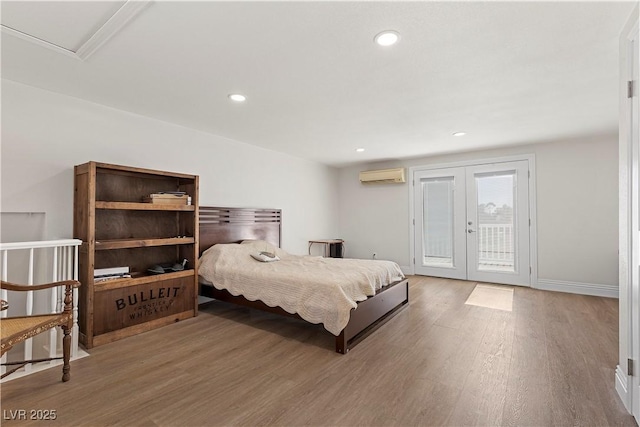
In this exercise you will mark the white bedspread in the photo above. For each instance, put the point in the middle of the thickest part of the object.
(320, 290)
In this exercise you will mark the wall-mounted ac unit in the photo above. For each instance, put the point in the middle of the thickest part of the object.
(395, 176)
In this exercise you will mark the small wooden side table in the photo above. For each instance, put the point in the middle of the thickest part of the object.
(327, 245)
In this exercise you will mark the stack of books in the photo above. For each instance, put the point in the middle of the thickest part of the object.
(104, 274)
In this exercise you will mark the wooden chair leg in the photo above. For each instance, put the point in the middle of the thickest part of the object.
(66, 353)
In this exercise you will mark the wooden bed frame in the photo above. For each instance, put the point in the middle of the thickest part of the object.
(230, 225)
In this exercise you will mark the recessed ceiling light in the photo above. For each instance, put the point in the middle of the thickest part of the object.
(459, 134)
(237, 97)
(359, 150)
(387, 38)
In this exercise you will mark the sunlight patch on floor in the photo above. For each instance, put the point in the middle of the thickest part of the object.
(492, 296)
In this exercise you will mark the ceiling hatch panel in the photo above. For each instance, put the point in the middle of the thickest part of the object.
(74, 28)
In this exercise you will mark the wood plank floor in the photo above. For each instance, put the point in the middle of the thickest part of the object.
(549, 362)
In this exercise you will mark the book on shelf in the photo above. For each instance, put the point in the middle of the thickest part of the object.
(168, 198)
(99, 272)
(111, 277)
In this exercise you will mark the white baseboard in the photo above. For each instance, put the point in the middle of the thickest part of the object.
(609, 291)
(622, 387)
(406, 270)
(202, 300)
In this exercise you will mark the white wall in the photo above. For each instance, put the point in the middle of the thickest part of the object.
(576, 208)
(45, 134)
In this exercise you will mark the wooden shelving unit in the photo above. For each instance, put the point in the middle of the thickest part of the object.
(118, 229)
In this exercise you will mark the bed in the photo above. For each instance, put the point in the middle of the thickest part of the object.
(226, 227)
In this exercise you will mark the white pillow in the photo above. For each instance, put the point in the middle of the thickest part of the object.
(263, 246)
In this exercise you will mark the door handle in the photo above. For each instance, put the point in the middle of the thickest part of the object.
(471, 231)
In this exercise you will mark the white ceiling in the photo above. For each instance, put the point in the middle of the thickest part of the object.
(317, 86)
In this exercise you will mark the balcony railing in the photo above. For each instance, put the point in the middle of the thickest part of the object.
(495, 248)
(31, 263)
(495, 245)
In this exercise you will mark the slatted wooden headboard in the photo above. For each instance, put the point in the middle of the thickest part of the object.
(231, 225)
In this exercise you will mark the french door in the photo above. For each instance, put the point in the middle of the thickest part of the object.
(634, 194)
(472, 223)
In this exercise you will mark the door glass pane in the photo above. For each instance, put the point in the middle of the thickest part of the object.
(437, 214)
(496, 221)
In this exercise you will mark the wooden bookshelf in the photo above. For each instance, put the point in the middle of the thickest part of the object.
(118, 229)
